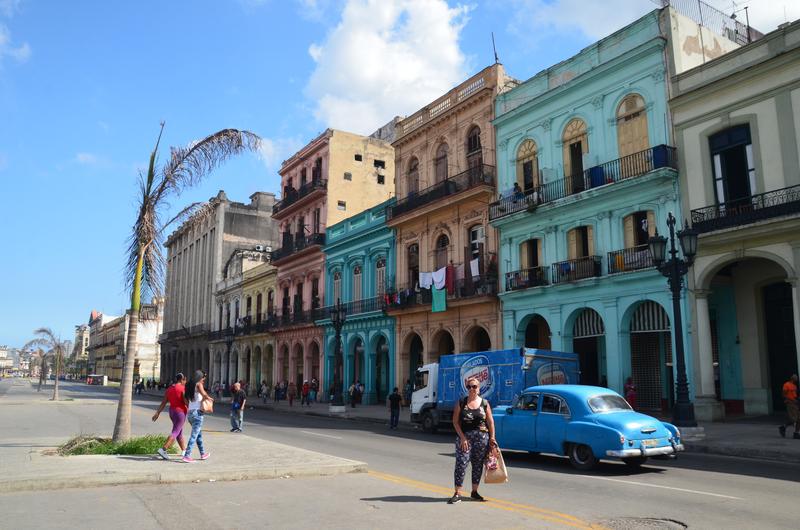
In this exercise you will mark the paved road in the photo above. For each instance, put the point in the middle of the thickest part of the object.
(698, 491)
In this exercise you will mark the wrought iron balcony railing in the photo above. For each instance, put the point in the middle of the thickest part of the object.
(356, 307)
(408, 295)
(292, 245)
(576, 269)
(612, 172)
(740, 212)
(292, 196)
(629, 259)
(481, 175)
(525, 278)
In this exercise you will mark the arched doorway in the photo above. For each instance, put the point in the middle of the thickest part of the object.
(296, 364)
(651, 357)
(537, 333)
(244, 375)
(442, 344)
(256, 368)
(588, 341)
(234, 368)
(382, 369)
(751, 320)
(476, 339)
(316, 362)
(412, 358)
(217, 377)
(284, 363)
(269, 366)
(357, 362)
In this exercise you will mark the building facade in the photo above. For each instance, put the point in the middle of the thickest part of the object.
(335, 176)
(445, 164)
(737, 123)
(79, 356)
(242, 345)
(197, 253)
(588, 173)
(359, 263)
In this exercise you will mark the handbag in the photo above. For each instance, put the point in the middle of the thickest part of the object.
(207, 406)
(495, 468)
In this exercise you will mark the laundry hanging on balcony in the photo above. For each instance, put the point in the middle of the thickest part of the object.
(425, 280)
(450, 279)
(474, 268)
(439, 278)
(439, 301)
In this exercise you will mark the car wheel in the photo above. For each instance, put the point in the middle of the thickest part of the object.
(635, 461)
(427, 423)
(582, 457)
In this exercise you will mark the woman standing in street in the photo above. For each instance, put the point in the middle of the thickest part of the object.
(474, 424)
(194, 395)
(177, 413)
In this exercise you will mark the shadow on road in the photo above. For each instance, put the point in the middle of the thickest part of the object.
(405, 498)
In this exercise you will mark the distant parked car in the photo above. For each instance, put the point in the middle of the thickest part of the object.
(585, 423)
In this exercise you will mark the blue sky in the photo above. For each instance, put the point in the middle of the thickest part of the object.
(84, 85)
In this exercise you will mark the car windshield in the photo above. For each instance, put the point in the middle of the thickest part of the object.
(608, 403)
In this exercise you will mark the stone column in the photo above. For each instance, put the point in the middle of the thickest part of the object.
(370, 395)
(613, 361)
(796, 316)
(707, 408)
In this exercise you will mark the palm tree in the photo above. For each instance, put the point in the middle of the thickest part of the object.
(185, 167)
(49, 346)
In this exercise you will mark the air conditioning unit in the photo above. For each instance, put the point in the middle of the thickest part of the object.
(381, 171)
(259, 248)
(267, 249)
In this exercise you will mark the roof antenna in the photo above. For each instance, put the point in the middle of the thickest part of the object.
(496, 60)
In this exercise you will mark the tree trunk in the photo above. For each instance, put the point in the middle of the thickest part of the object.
(122, 426)
(57, 361)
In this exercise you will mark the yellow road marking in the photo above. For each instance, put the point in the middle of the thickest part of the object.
(524, 509)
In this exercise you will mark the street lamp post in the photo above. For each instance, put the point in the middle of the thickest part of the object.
(338, 318)
(674, 269)
(230, 337)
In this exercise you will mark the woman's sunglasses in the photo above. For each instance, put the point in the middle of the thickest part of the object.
(472, 386)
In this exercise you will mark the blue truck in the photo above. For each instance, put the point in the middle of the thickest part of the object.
(503, 375)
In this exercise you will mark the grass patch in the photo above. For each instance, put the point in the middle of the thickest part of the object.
(94, 445)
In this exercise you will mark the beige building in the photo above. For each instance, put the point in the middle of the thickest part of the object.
(242, 347)
(108, 338)
(445, 163)
(197, 254)
(737, 127)
(79, 356)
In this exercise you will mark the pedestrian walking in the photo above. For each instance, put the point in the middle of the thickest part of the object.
(473, 422)
(177, 413)
(789, 392)
(277, 395)
(264, 392)
(238, 399)
(407, 390)
(292, 390)
(352, 391)
(194, 394)
(359, 391)
(304, 393)
(630, 392)
(394, 400)
(314, 389)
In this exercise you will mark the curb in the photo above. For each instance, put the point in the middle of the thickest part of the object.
(109, 479)
(405, 425)
(742, 452)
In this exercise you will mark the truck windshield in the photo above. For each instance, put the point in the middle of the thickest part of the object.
(608, 403)
(421, 380)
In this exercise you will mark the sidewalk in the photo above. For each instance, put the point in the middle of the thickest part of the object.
(748, 437)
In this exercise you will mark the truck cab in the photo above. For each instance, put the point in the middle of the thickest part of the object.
(424, 397)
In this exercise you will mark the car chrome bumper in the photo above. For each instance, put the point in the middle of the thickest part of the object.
(651, 451)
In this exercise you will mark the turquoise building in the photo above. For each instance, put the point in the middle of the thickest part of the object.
(587, 174)
(359, 258)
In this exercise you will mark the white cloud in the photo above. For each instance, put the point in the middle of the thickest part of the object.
(314, 10)
(87, 159)
(765, 15)
(273, 152)
(7, 48)
(386, 57)
(9, 7)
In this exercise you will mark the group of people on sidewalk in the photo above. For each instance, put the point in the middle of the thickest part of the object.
(187, 401)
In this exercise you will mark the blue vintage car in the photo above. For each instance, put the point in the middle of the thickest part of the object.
(586, 423)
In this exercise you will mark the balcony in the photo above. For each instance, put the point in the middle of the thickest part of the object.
(741, 212)
(618, 170)
(408, 296)
(294, 196)
(356, 307)
(573, 270)
(629, 259)
(293, 245)
(525, 278)
(481, 175)
(297, 318)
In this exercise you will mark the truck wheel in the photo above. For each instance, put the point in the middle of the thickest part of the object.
(581, 457)
(635, 462)
(428, 425)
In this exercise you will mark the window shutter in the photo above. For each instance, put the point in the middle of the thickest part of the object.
(523, 255)
(651, 223)
(630, 237)
(590, 237)
(572, 244)
(539, 259)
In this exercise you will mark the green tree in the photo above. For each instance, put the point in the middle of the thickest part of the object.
(144, 271)
(50, 347)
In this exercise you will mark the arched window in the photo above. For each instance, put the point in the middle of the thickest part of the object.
(380, 276)
(271, 302)
(639, 227)
(440, 163)
(733, 164)
(303, 177)
(236, 312)
(248, 306)
(258, 307)
(412, 178)
(580, 242)
(316, 171)
(632, 134)
(413, 264)
(575, 145)
(337, 287)
(357, 283)
(442, 243)
(474, 151)
(528, 165)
